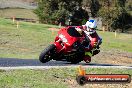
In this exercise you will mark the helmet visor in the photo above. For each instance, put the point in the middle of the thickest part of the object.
(92, 28)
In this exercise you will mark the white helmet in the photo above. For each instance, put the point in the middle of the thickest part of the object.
(91, 24)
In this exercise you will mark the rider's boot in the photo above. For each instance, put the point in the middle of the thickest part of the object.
(87, 59)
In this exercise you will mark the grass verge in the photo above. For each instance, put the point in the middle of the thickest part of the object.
(50, 78)
(121, 42)
(17, 12)
(27, 41)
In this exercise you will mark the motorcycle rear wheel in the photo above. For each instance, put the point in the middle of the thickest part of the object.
(46, 54)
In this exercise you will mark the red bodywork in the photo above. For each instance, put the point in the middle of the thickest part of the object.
(95, 39)
(72, 45)
(65, 46)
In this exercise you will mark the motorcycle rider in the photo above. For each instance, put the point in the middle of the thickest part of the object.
(90, 30)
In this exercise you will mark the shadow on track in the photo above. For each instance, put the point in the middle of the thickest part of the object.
(14, 62)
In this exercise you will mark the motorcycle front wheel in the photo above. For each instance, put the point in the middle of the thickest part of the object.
(47, 53)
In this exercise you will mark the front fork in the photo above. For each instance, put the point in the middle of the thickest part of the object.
(59, 46)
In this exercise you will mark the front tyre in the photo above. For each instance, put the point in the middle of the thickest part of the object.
(47, 54)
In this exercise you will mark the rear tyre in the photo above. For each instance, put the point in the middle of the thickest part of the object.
(47, 54)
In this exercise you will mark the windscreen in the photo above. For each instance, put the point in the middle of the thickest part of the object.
(73, 32)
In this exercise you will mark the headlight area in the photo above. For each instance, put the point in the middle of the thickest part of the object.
(62, 37)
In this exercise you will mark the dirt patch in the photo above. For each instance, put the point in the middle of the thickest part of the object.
(114, 57)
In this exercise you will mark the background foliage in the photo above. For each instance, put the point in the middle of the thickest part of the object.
(115, 14)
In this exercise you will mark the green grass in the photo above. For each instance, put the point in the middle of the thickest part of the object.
(17, 12)
(25, 42)
(30, 39)
(48, 78)
(121, 42)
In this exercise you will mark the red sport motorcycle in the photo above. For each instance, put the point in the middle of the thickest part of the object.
(69, 45)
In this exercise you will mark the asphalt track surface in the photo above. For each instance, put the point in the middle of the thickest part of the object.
(14, 63)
